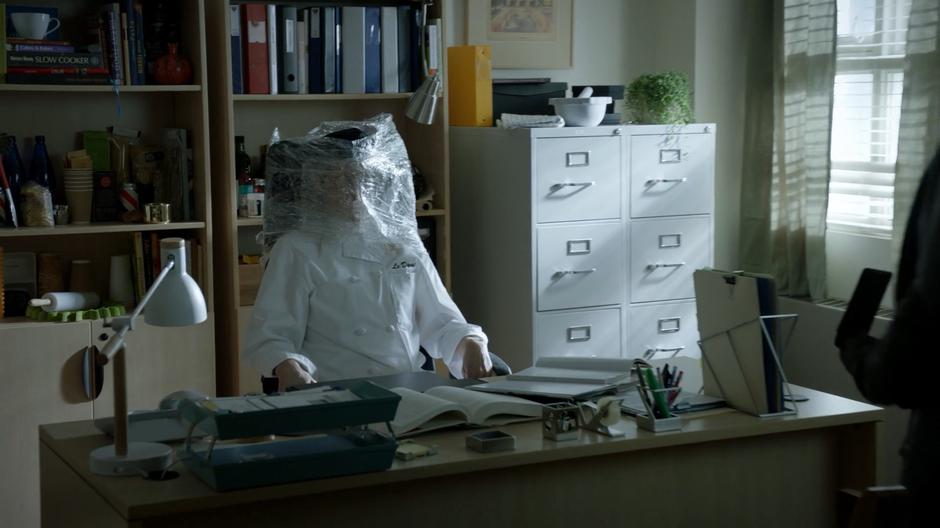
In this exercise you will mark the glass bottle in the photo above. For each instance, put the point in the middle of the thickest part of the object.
(40, 168)
(242, 162)
(13, 166)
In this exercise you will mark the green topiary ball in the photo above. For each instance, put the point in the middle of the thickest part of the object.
(660, 98)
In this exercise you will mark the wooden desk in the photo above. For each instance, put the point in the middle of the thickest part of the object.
(723, 468)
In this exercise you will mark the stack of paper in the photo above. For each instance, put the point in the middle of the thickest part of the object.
(565, 377)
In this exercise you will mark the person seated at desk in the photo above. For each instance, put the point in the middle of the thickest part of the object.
(349, 289)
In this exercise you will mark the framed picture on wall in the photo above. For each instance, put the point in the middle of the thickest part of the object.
(534, 34)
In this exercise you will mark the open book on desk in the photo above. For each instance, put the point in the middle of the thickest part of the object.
(441, 407)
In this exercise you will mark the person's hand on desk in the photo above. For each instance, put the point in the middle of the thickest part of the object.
(290, 373)
(476, 358)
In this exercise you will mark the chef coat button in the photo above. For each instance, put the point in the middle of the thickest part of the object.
(360, 331)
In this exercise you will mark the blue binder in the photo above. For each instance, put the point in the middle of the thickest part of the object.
(373, 50)
(235, 20)
(315, 71)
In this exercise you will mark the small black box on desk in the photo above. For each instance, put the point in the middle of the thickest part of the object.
(525, 96)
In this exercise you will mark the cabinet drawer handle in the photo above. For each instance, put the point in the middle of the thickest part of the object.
(650, 183)
(668, 325)
(577, 159)
(563, 273)
(670, 155)
(650, 352)
(579, 247)
(559, 186)
(652, 267)
(579, 333)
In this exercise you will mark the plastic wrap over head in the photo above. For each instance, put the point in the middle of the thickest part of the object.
(348, 179)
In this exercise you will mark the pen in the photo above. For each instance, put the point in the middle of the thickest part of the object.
(8, 195)
(662, 407)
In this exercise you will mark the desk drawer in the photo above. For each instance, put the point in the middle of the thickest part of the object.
(663, 255)
(582, 333)
(671, 174)
(661, 331)
(580, 265)
(578, 178)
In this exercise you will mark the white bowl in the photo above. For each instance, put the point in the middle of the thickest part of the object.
(581, 111)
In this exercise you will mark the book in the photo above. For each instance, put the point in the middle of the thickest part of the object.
(353, 38)
(315, 51)
(125, 53)
(130, 39)
(45, 78)
(444, 406)
(255, 39)
(271, 18)
(140, 58)
(37, 59)
(154, 265)
(330, 48)
(235, 34)
(44, 48)
(557, 390)
(111, 23)
(599, 371)
(175, 187)
(338, 61)
(404, 49)
(389, 49)
(373, 49)
(137, 263)
(301, 29)
(56, 71)
(286, 49)
(149, 248)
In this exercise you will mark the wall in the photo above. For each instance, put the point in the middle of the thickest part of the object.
(617, 40)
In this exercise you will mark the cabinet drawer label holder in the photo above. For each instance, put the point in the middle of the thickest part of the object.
(578, 334)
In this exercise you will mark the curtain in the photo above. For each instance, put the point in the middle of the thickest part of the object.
(789, 113)
(919, 133)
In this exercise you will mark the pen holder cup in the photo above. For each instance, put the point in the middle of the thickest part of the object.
(649, 421)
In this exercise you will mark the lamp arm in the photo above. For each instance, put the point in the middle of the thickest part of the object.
(125, 324)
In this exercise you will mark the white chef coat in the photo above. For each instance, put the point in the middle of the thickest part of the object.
(348, 309)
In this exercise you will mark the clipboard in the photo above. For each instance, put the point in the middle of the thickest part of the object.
(740, 341)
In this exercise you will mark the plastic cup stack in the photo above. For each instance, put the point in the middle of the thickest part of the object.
(79, 187)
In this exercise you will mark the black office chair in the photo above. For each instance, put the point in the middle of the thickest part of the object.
(500, 367)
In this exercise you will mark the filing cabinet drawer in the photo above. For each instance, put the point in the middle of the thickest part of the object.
(580, 265)
(582, 333)
(663, 255)
(671, 174)
(662, 331)
(578, 178)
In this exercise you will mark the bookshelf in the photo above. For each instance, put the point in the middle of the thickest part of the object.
(255, 116)
(41, 357)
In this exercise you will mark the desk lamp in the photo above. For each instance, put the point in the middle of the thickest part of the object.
(423, 102)
(174, 300)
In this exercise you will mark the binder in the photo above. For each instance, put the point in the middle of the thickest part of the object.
(235, 33)
(338, 61)
(255, 32)
(287, 49)
(353, 36)
(404, 49)
(390, 49)
(315, 62)
(330, 47)
(470, 85)
(416, 28)
(373, 49)
(301, 39)
(272, 48)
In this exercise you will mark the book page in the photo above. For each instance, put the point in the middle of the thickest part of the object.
(489, 409)
(422, 412)
(570, 375)
(582, 363)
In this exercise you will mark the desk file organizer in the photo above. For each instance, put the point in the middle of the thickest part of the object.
(739, 344)
(334, 442)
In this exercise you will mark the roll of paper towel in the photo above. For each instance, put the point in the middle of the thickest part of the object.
(67, 301)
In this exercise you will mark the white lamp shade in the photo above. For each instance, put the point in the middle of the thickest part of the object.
(177, 301)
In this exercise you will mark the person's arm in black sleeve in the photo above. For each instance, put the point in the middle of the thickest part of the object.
(901, 368)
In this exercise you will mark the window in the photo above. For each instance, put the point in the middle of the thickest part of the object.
(866, 113)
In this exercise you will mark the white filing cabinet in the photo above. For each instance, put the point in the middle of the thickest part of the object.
(581, 241)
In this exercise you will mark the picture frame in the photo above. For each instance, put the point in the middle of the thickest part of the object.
(524, 34)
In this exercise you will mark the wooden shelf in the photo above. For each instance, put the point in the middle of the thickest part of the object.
(245, 222)
(95, 228)
(320, 97)
(99, 88)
